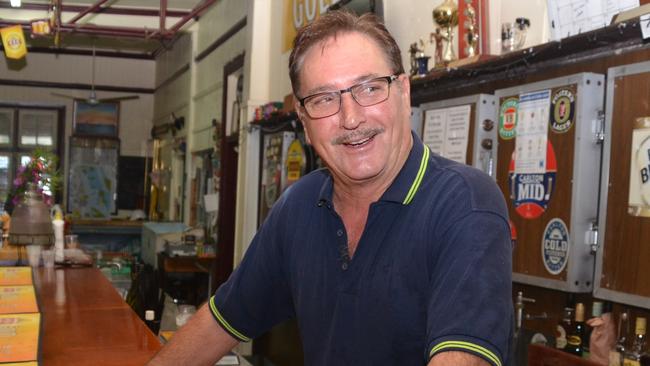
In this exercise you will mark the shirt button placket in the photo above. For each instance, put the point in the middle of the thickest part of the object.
(344, 264)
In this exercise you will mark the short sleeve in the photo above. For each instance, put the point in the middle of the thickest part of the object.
(256, 296)
(470, 308)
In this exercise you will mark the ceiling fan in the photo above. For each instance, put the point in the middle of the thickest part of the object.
(92, 98)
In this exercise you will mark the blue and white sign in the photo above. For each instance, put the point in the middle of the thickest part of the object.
(555, 246)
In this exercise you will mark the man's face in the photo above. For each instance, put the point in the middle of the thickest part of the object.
(358, 144)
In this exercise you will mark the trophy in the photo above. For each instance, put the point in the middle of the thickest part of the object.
(446, 16)
(419, 61)
(471, 30)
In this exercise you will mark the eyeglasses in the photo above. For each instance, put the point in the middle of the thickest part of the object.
(366, 94)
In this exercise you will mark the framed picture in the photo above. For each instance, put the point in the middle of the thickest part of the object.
(93, 177)
(96, 119)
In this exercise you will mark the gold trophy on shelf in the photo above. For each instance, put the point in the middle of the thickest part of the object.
(471, 30)
(446, 16)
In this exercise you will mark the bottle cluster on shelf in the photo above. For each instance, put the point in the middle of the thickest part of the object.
(599, 339)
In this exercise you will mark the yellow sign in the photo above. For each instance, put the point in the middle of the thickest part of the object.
(17, 299)
(19, 334)
(298, 13)
(295, 164)
(12, 276)
(41, 27)
(13, 41)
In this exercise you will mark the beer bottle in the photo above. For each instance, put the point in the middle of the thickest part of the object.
(596, 312)
(633, 356)
(576, 338)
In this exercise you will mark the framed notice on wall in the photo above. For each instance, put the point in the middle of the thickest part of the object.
(96, 119)
(92, 181)
(446, 131)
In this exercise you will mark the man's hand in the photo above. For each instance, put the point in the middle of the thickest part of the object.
(457, 358)
(199, 342)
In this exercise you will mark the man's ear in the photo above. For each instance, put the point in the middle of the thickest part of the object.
(406, 87)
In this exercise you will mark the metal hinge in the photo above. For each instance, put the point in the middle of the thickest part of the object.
(591, 236)
(598, 127)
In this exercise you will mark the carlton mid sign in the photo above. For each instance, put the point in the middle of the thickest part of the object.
(298, 13)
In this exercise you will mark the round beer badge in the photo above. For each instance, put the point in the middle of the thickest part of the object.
(508, 118)
(530, 193)
(562, 110)
(555, 246)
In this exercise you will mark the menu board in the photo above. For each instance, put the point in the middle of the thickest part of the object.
(17, 299)
(19, 333)
(19, 317)
(15, 276)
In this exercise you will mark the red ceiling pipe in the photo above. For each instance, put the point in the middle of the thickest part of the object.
(96, 30)
(89, 9)
(163, 15)
(195, 12)
(105, 10)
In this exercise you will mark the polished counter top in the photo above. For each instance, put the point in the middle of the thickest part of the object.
(86, 322)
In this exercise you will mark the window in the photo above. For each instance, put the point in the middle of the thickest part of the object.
(22, 129)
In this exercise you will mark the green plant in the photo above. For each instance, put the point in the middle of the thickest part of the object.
(41, 171)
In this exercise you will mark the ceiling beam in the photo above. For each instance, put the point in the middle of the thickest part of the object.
(197, 11)
(151, 12)
(163, 15)
(99, 30)
(89, 9)
(83, 52)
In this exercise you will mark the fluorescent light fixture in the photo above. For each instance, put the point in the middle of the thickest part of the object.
(15, 3)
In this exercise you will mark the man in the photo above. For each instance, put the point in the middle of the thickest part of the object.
(391, 256)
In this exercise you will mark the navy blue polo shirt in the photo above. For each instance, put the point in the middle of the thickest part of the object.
(431, 273)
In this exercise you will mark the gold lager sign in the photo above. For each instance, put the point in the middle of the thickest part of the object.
(639, 196)
(13, 41)
(298, 13)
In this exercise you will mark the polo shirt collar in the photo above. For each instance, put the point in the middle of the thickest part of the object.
(408, 181)
(406, 184)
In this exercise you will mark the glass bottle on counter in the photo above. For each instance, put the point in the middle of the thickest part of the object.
(616, 354)
(563, 328)
(633, 356)
(645, 358)
(576, 338)
(596, 312)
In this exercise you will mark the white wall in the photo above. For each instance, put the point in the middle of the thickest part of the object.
(196, 94)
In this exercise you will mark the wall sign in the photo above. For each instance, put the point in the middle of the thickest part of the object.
(555, 246)
(532, 132)
(563, 109)
(508, 118)
(446, 131)
(531, 192)
(639, 196)
(295, 165)
(298, 13)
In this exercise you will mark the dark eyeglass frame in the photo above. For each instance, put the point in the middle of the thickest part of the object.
(389, 79)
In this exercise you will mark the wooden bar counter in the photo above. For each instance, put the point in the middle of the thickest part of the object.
(86, 322)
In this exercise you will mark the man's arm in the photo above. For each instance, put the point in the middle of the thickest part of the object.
(456, 358)
(201, 341)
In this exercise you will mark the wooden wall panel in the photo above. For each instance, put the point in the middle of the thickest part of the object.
(527, 255)
(627, 237)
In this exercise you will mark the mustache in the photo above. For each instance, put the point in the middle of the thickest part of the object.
(357, 135)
